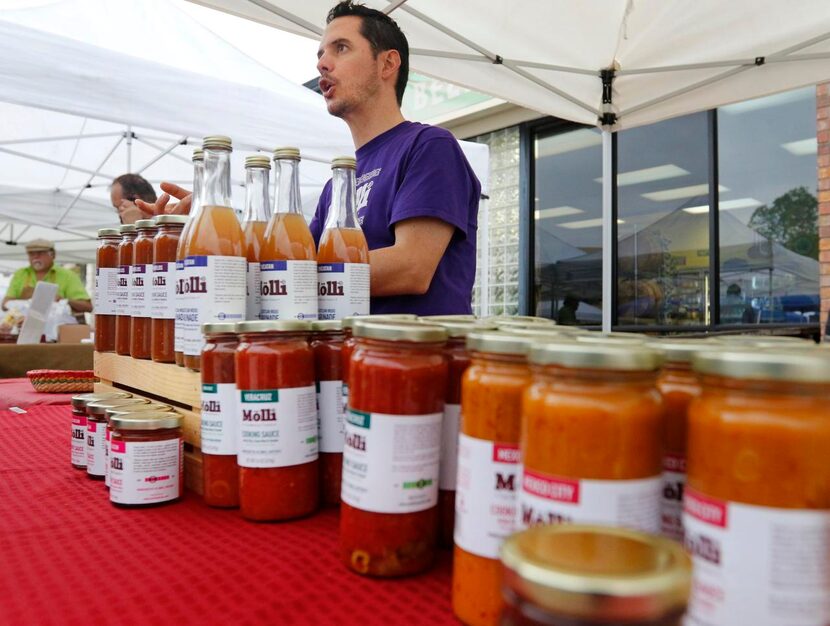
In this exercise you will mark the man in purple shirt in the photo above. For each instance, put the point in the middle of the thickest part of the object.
(417, 197)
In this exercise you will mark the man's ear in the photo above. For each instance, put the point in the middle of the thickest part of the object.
(391, 63)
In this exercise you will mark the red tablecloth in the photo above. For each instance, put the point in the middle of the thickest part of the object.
(20, 393)
(67, 556)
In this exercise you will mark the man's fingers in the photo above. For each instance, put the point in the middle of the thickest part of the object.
(154, 209)
(174, 190)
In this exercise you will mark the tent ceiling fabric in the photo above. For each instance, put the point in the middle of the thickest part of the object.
(672, 56)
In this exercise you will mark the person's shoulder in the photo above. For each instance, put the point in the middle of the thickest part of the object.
(422, 133)
(65, 273)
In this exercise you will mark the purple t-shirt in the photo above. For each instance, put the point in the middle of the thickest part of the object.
(414, 170)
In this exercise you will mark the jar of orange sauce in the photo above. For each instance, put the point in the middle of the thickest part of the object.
(757, 503)
(163, 290)
(123, 311)
(591, 442)
(140, 283)
(106, 288)
(278, 464)
(487, 482)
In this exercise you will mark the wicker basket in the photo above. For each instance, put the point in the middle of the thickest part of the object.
(62, 381)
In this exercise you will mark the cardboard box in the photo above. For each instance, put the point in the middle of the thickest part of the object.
(73, 333)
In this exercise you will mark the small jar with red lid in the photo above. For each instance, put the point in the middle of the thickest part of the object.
(140, 285)
(389, 509)
(277, 446)
(106, 288)
(79, 418)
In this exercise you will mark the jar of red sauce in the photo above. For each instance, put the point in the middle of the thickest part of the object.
(123, 319)
(278, 465)
(106, 288)
(488, 471)
(147, 459)
(140, 283)
(389, 510)
(79, 418)
(163, 290)
(327, 343)
(575, 575)
(757, 502)
(97, 442)
(220, 472)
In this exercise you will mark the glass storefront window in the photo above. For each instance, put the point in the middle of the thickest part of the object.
(768, 210)
(568, 225)
(662, 237)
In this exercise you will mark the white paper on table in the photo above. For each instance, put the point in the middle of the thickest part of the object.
(35, 321)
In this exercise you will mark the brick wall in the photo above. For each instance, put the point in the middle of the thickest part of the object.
(823, 135)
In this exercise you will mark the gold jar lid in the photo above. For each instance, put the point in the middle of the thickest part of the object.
(681, 350)
(171, 218)
(127, 229)
(80, 401)
(780, 364)
(287, 152)
(765, 341)
(459, 328)
(570, 352)
(108, 232)
(598, 573)
(270, 326)
(344, 161)
(198, 155)
(322, 326)
(523, 321)
(139, 408)
(151, 420)
(348, 322)
(612, 338)
(141, 224)
(217, 328)
(542, 331)
(399, 330)
(217, 142)
(258, 160)
(100, 408)
(450, 318)
(495, 342)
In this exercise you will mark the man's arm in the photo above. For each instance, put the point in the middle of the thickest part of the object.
(80, 306)
(14, 289)
(407, 267)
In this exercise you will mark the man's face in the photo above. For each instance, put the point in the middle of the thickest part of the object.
(41, 260)
(116, 195)
(350, 75)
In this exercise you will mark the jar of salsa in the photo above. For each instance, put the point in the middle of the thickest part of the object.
(678, 386)
(79, 418)
(757, 502)
(106, 288)
(97, 444)
(327, 343)
(163, 289)
(591, 442)
(123, 320)
(140, 282)
(389, 510)
(220, 472)
(575, 575)
(147, 459)
(278, 466)
(488, 471)
(129, 409)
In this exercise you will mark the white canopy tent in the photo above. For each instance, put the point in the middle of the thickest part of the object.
(612, 63)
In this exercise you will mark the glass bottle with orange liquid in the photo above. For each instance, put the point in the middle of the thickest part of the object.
(288, 261)
(123, 310)
(343, 256)
(254, 223)
(106, 288)
(195, 208)
(140, 282)
(213, 289)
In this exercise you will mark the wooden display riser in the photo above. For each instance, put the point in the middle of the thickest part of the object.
(160, 382)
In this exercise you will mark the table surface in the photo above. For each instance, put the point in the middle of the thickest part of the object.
(67, 556)
(20, 393)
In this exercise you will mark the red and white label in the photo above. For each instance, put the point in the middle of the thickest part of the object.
(107, 444)
(671, 503)
(449, 447)
(95, 440)
(548, 499)
(79, 440)
(485, 497)
(756, 565)
(145, 472)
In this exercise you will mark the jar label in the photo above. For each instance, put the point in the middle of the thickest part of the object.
(390, 462)
(181, 307)
(145, 472)
(79, 440)
(343, 290)
(485, 497)
(122, 293)
(278, 427)
(289, 290)
(253, 291)
(163, 291)
(140, 290)
(330, 413)
(106, 290)
(548, 499)
(213, 290)
(671, 503)
(219, 425)
(95, 459)
(756, 565)
(107, 445)
(449, 447)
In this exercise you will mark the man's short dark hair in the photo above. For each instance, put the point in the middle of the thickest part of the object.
(134, 186)
(382, 32)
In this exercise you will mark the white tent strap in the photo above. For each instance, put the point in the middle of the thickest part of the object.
(9, 142)
(393, 4)
(182, 141)
(546, 85)
(287, 15)
(15, 217)
(52, 162)
(742, 62)
(21, 233)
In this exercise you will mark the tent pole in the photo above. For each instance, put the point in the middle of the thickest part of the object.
(91, 178)
(129, 136)
(8, 142)
(68, 166)
(21, 233)
(607, 231)
(162, 154)
(169, 150)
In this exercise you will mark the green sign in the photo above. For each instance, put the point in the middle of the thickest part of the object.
(427, 98)
(261, 395)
